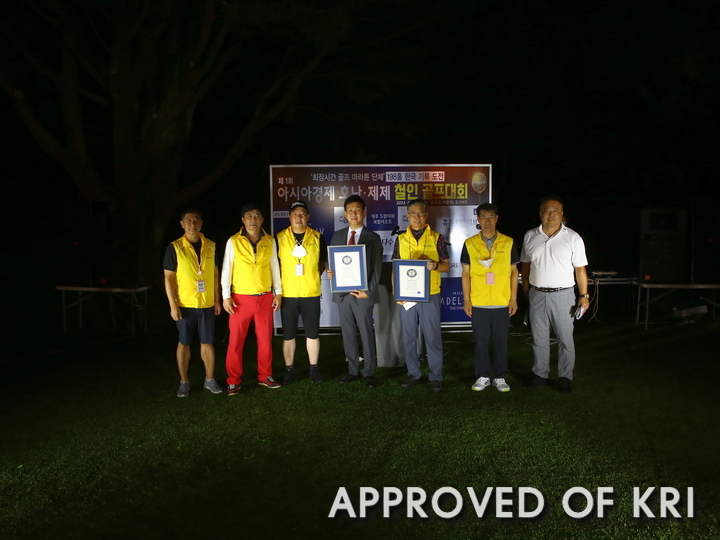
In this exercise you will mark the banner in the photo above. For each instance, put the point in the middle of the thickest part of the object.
(452, 193)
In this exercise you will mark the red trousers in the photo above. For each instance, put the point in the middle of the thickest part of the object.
(257, 309)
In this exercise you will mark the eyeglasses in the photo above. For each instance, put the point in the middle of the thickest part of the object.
(417, 214)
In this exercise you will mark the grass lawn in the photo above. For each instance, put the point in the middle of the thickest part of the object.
(96, 445)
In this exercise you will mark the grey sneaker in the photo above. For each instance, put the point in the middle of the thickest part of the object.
(213, 386)
(184, 389)
(501, 385)
(481, 384)
(436, 386)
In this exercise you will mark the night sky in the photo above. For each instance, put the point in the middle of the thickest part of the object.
(611, 105)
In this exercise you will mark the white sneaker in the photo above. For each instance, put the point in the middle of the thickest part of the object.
(501, 385)
(481, 384)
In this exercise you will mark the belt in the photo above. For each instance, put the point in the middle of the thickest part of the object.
(548, 289)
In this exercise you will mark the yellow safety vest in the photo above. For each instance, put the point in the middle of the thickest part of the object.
(251, 272)
(307, 285)
(188, 273)
(482, 294)
(425, 248)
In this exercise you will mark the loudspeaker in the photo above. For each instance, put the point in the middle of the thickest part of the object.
(662, 245)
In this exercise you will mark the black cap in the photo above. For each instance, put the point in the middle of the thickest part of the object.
(300, 204)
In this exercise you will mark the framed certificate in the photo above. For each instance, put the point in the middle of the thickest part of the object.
(412, 280)
(349, 268)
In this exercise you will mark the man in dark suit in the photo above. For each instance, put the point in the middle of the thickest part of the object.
(356, 307)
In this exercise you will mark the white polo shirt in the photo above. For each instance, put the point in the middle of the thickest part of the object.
(553, 260)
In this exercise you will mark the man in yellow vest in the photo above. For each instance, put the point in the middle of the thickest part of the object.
(192, 286)
(490, 282)
(251, 292)
(303, 253)
(419, 241)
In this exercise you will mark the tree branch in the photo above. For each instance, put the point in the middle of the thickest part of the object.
(36, 128)
(45, 71)
(81, 172)
(31, 59)
(196, 81)
(205, 32)
(261, 118)
(70, 106)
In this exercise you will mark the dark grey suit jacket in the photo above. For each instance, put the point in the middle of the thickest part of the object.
(373, 259)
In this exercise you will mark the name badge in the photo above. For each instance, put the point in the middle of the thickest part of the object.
(201, 285)
(299, 269)
(490, 278)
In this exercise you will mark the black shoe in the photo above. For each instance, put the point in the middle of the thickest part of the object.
(370, 382)
(289, 377)
(409, 382)
(349, 378)
(316, 377)
(564, 386)
(537, 382)
(436, 386)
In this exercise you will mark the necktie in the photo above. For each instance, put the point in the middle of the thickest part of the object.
(352, 238)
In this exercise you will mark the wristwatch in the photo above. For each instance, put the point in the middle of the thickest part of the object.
(586, 295)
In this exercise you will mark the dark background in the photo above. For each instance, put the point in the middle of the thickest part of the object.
(612, 105)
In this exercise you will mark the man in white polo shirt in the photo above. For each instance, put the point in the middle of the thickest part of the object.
(552, 259)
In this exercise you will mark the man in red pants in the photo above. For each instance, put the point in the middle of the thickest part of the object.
(251, 291)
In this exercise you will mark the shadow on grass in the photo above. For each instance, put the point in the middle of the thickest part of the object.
(96, 445)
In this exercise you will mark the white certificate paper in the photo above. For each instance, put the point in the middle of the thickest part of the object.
(348, 269)
(411, 282)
